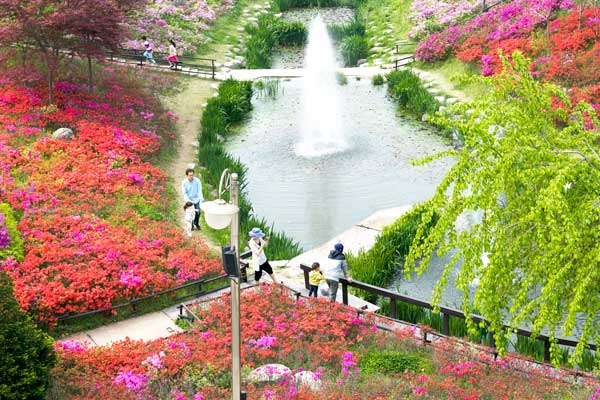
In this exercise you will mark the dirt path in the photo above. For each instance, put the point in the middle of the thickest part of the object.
(187, 105)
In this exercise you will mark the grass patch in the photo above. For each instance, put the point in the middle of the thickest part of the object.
(458, 73)
(407, 89)
(354, 48)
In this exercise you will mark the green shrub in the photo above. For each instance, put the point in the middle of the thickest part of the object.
(408, 90)
(378, 265)
(234, 100)
(378, 80)
(354, 48)
(392, 361)
(290, 33)
(15, 248)
(269, 32)
(337, 32)
(27, 353)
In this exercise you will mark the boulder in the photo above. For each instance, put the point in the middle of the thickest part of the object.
(451, 100)
(308, 380)
(361, 62)
(269, 373)
(63, 133)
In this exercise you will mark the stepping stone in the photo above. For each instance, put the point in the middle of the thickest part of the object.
(377, 61)
(241, 29)
(451, 100)
(433, 91)
(440, 99)
(258, 6)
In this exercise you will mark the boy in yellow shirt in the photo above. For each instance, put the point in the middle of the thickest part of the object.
(315, 277)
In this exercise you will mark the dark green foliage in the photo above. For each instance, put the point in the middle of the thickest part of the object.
(269, 32)
(27, 353)
(378, 80)
(15, 249)
(231, 106)
(354, 48)
(380, 263)
(408, 90)
(339, 32)
(393, 361)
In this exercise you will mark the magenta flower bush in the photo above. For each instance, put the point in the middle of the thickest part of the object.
(510, 21)
(5, 239)
(428, 16)
(183, 22)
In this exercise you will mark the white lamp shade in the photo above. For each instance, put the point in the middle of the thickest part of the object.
(218, 213)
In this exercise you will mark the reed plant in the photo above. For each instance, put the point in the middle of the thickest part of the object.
(354, 48)
(222, 114)
(378, 80)
(268, 88)
(407, 89)
(338, 32)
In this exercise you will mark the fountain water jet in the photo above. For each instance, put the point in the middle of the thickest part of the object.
(321, 125)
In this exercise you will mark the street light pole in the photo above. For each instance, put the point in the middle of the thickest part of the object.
(235, 293)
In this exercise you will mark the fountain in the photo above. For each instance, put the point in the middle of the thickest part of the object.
(321, 126)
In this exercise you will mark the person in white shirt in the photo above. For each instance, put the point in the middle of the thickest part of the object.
(259, 259)
(190, 214)
(192, 192)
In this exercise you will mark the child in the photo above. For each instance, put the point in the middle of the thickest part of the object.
(315, 277)
(172, 59)
(190, 213)
(148, 52)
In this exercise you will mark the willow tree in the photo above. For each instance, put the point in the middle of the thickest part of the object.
(530, 165)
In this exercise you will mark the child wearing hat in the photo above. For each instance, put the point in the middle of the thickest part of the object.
(259, 260)
(337, 270)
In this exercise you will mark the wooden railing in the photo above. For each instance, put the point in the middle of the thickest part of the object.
(406, 60)
(203, 66)
(446, 312)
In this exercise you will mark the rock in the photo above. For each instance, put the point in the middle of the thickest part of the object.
(451, 100)
(309, 380)
(377, 61)
(220, 139)
(241, 29)
(269, 373)
(279, 15)
(440, 99)
(361, 62)
(424, 117)
(214, 85)
(63, 133)
(375, 49)
(433, 91)
(442, 109)
(253, 19)
(215, 95)
(258, 6)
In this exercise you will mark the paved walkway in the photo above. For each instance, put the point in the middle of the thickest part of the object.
(162, 323)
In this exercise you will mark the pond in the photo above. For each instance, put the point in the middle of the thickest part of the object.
(313, 199)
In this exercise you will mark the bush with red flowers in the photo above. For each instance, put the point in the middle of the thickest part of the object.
(93, 210)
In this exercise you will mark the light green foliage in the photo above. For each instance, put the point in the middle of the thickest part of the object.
(268, 88)
(533, 170)
(15, 249)
(393, 361)
(341, 78)
(378, 80)
(27, 353)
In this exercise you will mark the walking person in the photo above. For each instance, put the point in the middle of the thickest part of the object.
(148, 52)
(172, 59)
(315, 277)
(192, 192)
(190, 214)
(259, 260)
(338, 269)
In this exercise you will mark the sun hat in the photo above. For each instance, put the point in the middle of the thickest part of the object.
(339, 247)
(256, 233)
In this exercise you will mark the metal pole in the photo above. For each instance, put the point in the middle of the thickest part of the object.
(235, 296)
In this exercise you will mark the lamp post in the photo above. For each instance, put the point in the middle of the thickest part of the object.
(218, 215)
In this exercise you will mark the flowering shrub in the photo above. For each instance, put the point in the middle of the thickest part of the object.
(182, 22)
(83, 201)
(428, 16)
(320, 341)
(11, 244)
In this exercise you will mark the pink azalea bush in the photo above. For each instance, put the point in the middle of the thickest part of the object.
(428, 16)
(184, 22)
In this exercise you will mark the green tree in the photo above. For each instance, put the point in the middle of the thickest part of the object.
(530, 166)
(26, 354)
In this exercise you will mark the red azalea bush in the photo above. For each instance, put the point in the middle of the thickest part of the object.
(327, 339)
(93, 209)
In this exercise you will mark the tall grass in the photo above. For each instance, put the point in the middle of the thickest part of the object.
(269, 32)
(408, 90)
(229, 108)
(337, 32)
(354, 48)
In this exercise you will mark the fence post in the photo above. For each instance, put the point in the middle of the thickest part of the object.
(396, 67)
(396, 48)
(445, 324)
(212, 62)
(306, 281)
(393, 312)
(546, 350)
(345, 293)
(491, 339)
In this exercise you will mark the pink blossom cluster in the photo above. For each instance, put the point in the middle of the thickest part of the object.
(71, 345)
(349, 365)
(5, 239)
(155, 360)
(428, 16)
(265, 341)
(130, 280)
(132, 381)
